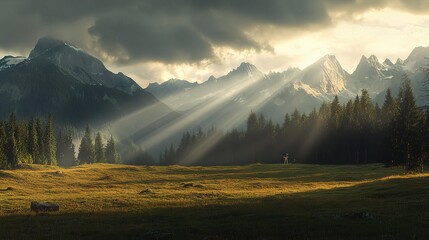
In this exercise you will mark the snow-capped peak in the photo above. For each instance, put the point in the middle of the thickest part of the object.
(417, 58)
(374, 62)
(371, 62)
(10, 61)
(73, 47)
(44, 44)
(388, 63)
(248, 68)
(330, 63)
(245, 70)
(399, 62)
(418, 53)
(325, 76)
(369, 69)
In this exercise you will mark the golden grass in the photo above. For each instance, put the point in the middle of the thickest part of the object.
(105, 187)
(297, 191)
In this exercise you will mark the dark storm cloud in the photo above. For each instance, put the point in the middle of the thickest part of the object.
(135, 38)
(170, 31)
(277, 12)
(186, 31)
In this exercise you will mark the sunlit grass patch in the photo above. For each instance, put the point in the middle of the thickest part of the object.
(223, 201)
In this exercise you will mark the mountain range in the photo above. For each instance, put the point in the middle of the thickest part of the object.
(246, 88)
(77, 89)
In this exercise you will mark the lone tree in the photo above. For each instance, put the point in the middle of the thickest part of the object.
(112, 155)
(86, 148)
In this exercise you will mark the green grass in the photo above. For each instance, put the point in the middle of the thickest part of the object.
(103, 201)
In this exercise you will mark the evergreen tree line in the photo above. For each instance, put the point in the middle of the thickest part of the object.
(353, 133)
(94, 151)
(35, 142)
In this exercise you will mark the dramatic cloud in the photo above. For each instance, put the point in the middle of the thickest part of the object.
(175, 32)
(188, 30)
(135, 38)
(169, 31)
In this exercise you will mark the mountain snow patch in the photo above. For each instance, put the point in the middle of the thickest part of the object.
(9, 62)
(73, 47)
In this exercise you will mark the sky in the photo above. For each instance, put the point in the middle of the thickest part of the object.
(155, 40)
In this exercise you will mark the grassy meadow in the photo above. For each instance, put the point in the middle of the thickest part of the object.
(102, 201)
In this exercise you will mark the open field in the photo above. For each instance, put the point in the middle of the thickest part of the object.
(102, 201)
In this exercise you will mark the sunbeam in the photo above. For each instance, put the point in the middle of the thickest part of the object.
(215, 102)
(233, 119)
(130, 124)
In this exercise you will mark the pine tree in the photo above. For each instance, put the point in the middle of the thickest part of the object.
(12, 152)
(389, 112)
(99, 149)
(50, 150)
(252, 125)
(426, 83)
(41, 158)
(170, 155)
(3, 142)
(66, 151)
(348, 119)
(366, 109)
(22, 142)
(60, 147)
(86, 148)
(324, 111)
(251, 135)
(33, 145)
(112, 155)
(11, 128)
(184, 146)
(407, 124)
(162, 157)
(335, 113)
(389, 109)
(296, 119)
(11, 147)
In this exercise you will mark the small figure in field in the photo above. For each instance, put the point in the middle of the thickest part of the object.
(286, 159)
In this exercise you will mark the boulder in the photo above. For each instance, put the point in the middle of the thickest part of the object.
(44, 207)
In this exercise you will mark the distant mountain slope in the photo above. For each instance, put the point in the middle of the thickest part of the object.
(412, 67)
(373, 75)
(170, 88)
(75, 87)
(82, 66)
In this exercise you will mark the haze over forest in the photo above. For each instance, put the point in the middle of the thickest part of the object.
(148, 72)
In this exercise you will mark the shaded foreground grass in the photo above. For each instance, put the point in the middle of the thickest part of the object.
(103, 201)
